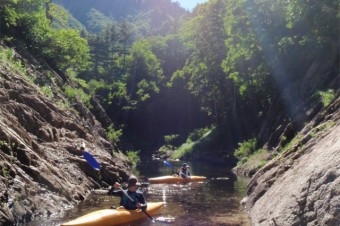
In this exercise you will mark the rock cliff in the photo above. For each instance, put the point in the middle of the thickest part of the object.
(42, 170)
(302, 185)
(299, 184)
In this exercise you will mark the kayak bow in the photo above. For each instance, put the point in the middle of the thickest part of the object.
(108, 217)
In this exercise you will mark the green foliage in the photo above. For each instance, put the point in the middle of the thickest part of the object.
(172, 140)
(118, 94)
(295, 141)
(311, 21)
(327, 96)
(5, 172)
(244, 63)
(61, 19)
(7, 55)
(63, 105)
(242, 161)
(72, 50)
(262, 163)
(133, 157)
(113, 135)
(63, 48)
(205, 35)
(183, 150)
(77, 94)
(47, 91)
(95, 86)
(144, 73)
(197, 144)
(97, 21)
(256, 160)
(150, 17)
(245, 149)
(321, 128)
(197, 134)
(229, 56)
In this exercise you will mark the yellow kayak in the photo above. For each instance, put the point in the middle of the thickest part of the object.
(175, 179)
(108, 217)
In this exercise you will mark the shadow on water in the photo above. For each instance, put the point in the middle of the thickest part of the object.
(212, 202)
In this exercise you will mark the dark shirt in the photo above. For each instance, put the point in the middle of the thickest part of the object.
(183, 172)
(125, 201)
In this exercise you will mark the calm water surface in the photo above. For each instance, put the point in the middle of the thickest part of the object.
(213, 202)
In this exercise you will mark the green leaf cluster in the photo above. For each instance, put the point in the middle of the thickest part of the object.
(113, 135)
(245, 149)
(133, 157)
(327, 96)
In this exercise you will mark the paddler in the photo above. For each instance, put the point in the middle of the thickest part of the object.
(184, 171)
(132, 192)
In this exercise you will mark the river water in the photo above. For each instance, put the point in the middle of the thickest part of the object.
(212, 202)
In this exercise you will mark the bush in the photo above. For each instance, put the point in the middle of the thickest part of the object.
(171, 140)
(245, 149)
(47, 91)
(113, 135)
(79, 94)
(133, 157)
(197, 134)
(327, 97)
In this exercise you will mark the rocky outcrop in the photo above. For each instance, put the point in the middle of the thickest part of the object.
(42, 170)
(301, 186)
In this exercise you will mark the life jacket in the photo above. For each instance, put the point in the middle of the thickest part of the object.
(127, 203)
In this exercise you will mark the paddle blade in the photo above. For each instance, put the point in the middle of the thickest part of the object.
(168, 164)
(91, 160)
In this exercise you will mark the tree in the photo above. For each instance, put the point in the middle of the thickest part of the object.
(143, 73)
(29, 21)
(205, 34)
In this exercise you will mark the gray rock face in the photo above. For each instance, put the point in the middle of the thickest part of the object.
(42, 171)
(302, 186)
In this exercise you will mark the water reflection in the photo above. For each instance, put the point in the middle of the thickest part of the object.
(212, 202)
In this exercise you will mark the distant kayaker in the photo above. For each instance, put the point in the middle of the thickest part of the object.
(184, 171)
(132, 192)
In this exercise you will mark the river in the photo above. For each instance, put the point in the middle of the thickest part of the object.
(212, 202)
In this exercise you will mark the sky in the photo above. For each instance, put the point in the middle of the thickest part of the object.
(189, 4)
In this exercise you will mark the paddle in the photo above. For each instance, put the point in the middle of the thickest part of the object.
(95, 165)
(91, 160)
(168, 164)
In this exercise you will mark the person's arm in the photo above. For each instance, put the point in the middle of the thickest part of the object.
(184, 175)
(141, 201)
(115, 192)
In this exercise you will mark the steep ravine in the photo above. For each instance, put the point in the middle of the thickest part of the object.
(42, 170)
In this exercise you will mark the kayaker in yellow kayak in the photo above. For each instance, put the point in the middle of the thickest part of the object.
(132, 198)
(184, 171)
